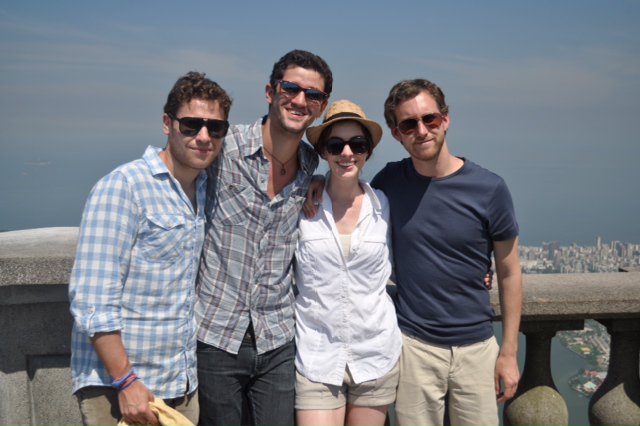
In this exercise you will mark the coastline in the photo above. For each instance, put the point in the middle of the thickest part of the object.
(592, 346)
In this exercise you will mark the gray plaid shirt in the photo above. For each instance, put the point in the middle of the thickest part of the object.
(246, 268)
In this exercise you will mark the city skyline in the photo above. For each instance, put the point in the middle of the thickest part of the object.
(552, 257)
(543, 94)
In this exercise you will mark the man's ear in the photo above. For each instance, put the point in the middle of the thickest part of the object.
(396, 134)
(322, 107)
(269, 93)
(447, 121)
(166, 124)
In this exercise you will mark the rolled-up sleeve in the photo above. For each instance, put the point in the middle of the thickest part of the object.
(107, 234)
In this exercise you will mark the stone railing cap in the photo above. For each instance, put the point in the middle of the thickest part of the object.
(37, 256)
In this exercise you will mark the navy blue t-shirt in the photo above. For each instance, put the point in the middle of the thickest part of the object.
(443, 233)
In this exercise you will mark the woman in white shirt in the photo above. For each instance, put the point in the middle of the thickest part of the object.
(347, 337)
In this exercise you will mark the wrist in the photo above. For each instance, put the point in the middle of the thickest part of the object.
(508, 354)
(509, 347)
(125, 381)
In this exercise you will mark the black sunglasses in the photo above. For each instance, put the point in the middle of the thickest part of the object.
(292, 89)
(432, 121)
(357, 144)
(190, 126)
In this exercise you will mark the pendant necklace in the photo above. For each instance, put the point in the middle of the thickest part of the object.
(283, 170)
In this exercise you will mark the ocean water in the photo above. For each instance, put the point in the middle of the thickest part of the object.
(565, 364)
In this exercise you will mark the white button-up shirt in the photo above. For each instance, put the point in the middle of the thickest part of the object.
(344, 316)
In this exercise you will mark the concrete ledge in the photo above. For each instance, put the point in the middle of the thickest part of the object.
(45, 256)
(37, 256)
(578, 296)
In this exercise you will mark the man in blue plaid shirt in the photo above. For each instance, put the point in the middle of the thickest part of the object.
(132, 288)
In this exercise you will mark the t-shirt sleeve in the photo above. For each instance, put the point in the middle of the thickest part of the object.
(502, 217)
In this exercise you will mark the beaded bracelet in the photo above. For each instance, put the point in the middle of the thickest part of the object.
(120, 382)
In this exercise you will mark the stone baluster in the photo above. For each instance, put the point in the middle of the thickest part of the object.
(537, 401)
(617, 400)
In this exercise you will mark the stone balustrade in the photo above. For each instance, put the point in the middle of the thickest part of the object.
(35, 328)
(556, 302)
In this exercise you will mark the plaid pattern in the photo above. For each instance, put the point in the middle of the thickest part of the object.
(135, 269)
(246, 269)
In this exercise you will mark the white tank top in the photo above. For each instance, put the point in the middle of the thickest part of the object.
(345, 242)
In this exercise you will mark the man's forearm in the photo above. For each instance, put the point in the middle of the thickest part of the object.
(511, 309)
(509, 275)
(112, 353)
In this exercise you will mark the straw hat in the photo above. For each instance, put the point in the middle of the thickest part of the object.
(345, 110)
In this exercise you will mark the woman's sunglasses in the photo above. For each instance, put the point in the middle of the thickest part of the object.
(190, 126)
(357, 144)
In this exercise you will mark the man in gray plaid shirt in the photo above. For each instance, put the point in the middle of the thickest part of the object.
(245, 298)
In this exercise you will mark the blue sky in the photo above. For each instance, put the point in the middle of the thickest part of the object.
(544, 93)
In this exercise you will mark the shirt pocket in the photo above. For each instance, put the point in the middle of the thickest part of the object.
(232, 205)
(373, 246)
(162, 237)
(316, 253)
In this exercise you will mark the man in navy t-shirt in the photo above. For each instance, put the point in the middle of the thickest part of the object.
(448, 216)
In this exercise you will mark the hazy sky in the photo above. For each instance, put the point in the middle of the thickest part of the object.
(544, 93)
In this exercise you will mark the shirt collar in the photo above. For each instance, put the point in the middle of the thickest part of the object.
(376, 205)
(375, 201)
(307, 157)
(152, 157)
(157, 167)
(253, 139)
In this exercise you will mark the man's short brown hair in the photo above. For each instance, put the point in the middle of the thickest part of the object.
(195, 85)
(409, 89)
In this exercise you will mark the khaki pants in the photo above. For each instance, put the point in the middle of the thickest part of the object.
(428, 372)
(99, 406)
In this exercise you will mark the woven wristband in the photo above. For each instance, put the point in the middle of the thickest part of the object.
(128, 383)
(119, 382)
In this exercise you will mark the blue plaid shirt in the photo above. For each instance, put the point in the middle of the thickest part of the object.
(135, 270)
(246, 271)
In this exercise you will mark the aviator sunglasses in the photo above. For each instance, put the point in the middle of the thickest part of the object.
(190, 126)
(357, 144)
(292, 89)
(431, 121)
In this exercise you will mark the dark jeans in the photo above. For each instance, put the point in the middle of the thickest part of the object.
(264, 384)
